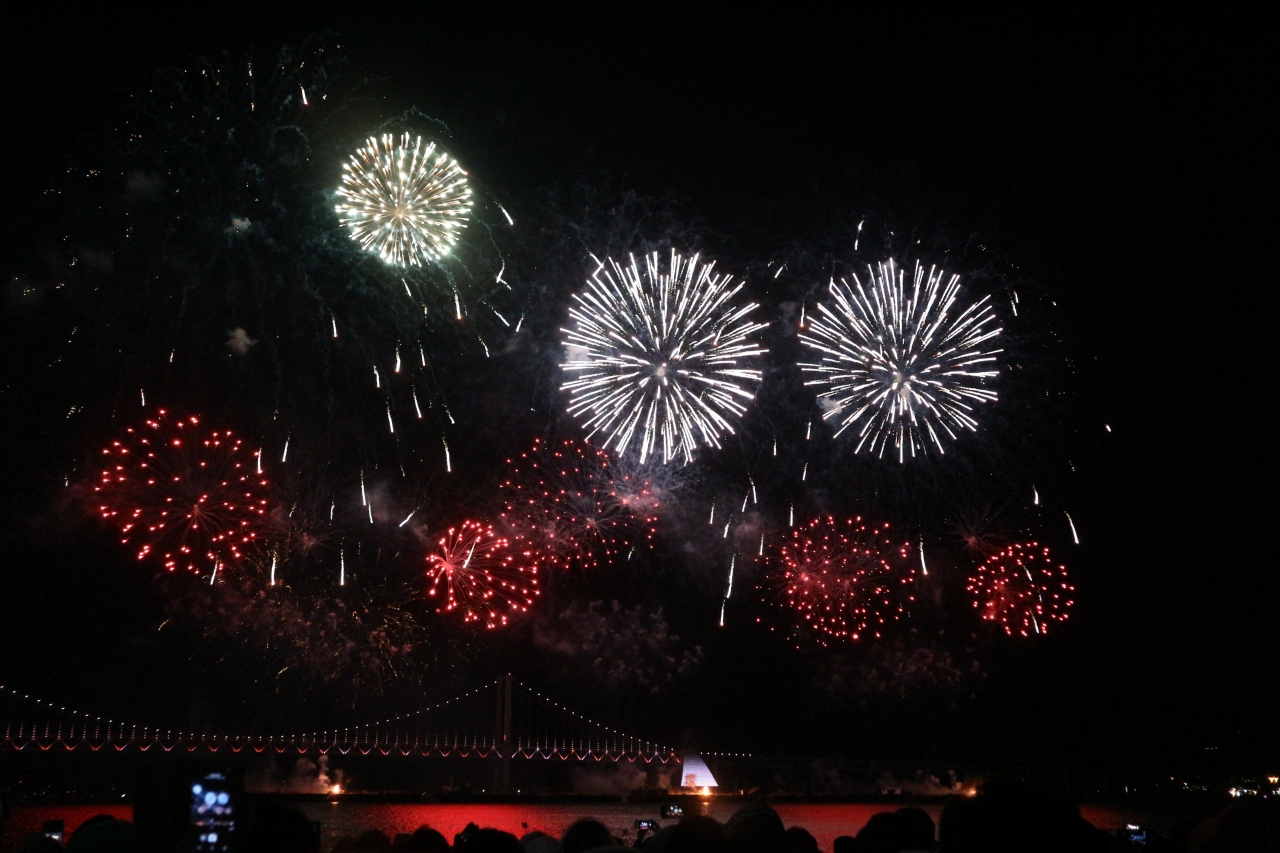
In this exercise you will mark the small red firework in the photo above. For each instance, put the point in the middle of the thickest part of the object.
(565, 502)
(1022, 589)
(191, 497)
(845, 579)
(482, 575)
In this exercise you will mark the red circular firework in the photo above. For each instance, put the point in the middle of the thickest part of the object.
(479, 573)
(565, 502)
(1022, 589)
(845, 579)
(190, 497)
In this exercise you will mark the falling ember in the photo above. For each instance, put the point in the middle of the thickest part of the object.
(903, 363)
(660, 359)
(1035, 496)
(567, 503)
(405, 202)
(844, 580)
(479, 574)
(924, 568)
(342, 567)
(284, 457)
(1022, 589)
(182, 494)
(448, 463)
(1075, 537)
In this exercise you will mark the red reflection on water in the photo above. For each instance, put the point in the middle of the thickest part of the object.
(28, 819)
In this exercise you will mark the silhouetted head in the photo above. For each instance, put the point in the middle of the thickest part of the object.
(800, 840)
(699, 834)
(586, 834)
(757, 827)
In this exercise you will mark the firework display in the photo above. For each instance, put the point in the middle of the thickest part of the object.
(569, 503)
(186, 496)
(904, 363)
(1022, 589)
(659, 357)
(404, 201)
(475, 571)
(845, 580)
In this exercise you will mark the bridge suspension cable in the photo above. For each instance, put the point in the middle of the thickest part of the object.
(525, 724)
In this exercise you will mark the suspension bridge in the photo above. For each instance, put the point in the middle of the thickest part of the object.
(501, 719)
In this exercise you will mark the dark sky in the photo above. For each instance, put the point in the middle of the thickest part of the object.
(1118, 159)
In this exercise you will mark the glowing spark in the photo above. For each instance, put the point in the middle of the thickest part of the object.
(500, 317)
(457, 305)
(407, 291)
(258, 455)
(377, 379)
(745, 498)
(808, 429)
(520, 323)
(1022, 589)
(761, 545)
(334, 321)
(1108, 426)
(713, 513)
(342, 568)
(369, 509)
(1075, 537)
(728, 592)
(904, 361)
(332, 504)
(390, 423)
(804, 475)
(273, 570)
(402, 201)
(406, 518)
(726, 529)
(304, 97)
(775, 445)
(844, 579)
(416, 407)
(284, 457)
(422, 356)
(791, 516)
(448, 464)
(397, 359)
(364, 499)
(482, 576)
(144, 397)
(510, 221)
(657, 356)
(1035, 496)
(754, 498)
(213, 577)
(924, 568)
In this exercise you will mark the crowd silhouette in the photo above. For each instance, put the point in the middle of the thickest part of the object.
(1003, 818)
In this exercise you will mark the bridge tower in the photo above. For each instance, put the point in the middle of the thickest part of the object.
(502, 735)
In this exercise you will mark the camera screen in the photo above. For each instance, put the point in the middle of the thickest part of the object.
(213, 817)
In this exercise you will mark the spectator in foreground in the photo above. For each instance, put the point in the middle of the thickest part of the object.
(756, 828)
(586, 834)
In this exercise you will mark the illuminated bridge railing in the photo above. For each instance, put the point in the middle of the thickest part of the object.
(501, 719)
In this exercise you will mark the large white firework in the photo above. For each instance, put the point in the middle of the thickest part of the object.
(403, 200)
(903, 362)
(659, 356)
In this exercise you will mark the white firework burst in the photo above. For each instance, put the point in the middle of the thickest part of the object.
(905, 363)
(403, 200)
(658, 356)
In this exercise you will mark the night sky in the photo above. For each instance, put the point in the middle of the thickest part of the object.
(1115, 161)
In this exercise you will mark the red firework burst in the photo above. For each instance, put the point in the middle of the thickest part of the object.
(189, 496)
(565, 502)
(1022, 589)
(481, 574)
(845, 579)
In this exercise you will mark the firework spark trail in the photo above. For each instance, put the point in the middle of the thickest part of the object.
(402, 201)
(482, 576)
(904, 362)
(1022, 589)
(846, 579)
(658, 355)
(183, 494)
(568, 503)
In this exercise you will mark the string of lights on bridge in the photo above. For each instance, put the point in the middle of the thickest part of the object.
(45, 725)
